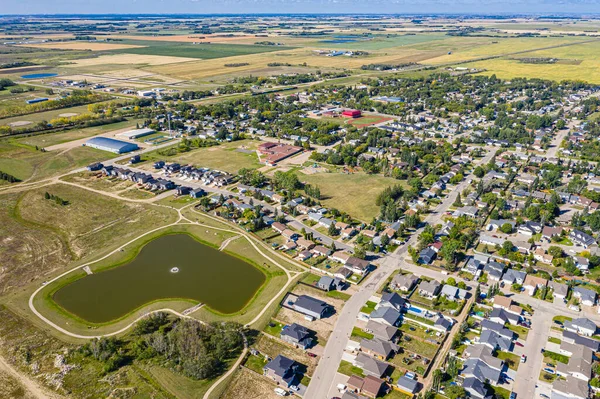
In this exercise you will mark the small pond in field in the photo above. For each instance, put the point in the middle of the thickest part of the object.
(39, 75)
(169, 267)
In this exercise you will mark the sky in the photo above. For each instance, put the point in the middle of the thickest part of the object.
(298, 6)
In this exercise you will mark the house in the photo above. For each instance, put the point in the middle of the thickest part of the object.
(497, 328)
(94, 167)
(475, 388)
(278, 227)
(352, 395)
(429, 289)
(304, 255)
(407, 385)
(311, 306)
(549, 232)
(289, 234)
(343, 273)
(284, 371)
(289, 245)
(541, 256)
(513, 276)
(581, 326)
(358, 266)
(478, 369)
(305, 244)
(379, 348)
(297, 335)
(386, 315)
(585, 296)
(321, 250)
(532, 283)
(570, 388)
(443, 323)
(427, 255)
(582, 263)
(502, 316)
(581, 239)
(404, 282)
(453, 293)
(382, 331)
(371, 366)
(529, 228)
(579, 365)
(369, 385)
(495, 340)
(495, 224)
(571, 337)
(470, 211)
(393, 300)
(197, 193)
(327, 283)
(559, 290)
(490, 240)
(494, 270)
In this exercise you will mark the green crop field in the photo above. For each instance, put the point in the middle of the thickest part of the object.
(203, 51)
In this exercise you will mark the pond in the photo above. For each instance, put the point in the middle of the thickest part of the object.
(39, 75)
(169, 267)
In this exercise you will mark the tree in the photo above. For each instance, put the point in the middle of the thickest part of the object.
(555, 251)
(332, 231)
(506, 228)
(479, 172)
(359, 252)
(458, 201)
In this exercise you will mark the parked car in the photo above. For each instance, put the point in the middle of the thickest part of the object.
(513, 395)
(523, 358)
(549, 370)
(519, 344)
(310, 354)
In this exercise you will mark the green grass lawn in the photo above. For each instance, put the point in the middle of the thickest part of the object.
(554, 340)
(274, 330)
(311, 279)
(520, 330)
(557, 357)
(358, 333)
(188, 50)
(347, 368)
(338, 295)
(420, 347)
(500, 392)
(562, 319)
(369, 307)
(511, 360)
(256, 363)
(352, 193)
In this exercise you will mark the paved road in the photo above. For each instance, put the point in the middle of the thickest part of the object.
(326, 370)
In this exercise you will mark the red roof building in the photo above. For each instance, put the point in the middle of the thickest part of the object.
(351, 113)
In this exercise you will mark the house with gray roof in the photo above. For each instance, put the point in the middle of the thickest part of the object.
(495, 341)
(297, 335)
(404, 282)
(586, 297)
(407, 385)
(442, 323)
(478, 369)
(475, 388)
(284, 371)
(579, 365)
(370, 365)
(386, 315)
(393, 300)
(312, 307)
(581, 239)
(429, 289)
(427, 255)
(487, 324)
(581, 326)
(330, 283)
(453, 293)
(559, 290)
(501, 316)
(513, 276)
(576, 339)
(381, 331)
(570, 388)
(494, 270)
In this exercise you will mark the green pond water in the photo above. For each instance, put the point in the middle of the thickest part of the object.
(221, 281)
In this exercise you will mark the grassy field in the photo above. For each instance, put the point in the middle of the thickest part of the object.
(188, 50)
(24, 162)
(46, 115)
(226, 157)
(351, 193)
(50, 139)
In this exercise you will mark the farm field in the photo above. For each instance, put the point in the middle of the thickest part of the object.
(44, 116)
(82, 45)
(202, 51)
(351, 193)
(582, 60)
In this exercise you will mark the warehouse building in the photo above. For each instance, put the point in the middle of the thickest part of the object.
(112, 145)
(136, 133)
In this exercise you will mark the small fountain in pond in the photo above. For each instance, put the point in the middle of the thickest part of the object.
(174, 270)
